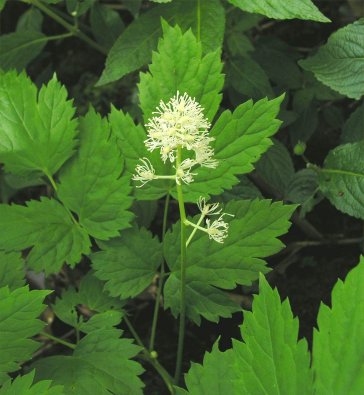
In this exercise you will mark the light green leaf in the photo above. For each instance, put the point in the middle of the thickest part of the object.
(340, 62)
(91, 184)
(106, 24)
(276, 168)
(353, 130)
(341, 179)
(37, 132)
(12, 271)
(18, 49)
(270, 361)
(253, 235)
(23, 385)
(19, 311)
(338, 344)
(99, 365)
(46, 226)
(282, 9)
(31, 20)
(133, 49)
(179, 65)
(248, 78)
(128, 263)
(241, 138)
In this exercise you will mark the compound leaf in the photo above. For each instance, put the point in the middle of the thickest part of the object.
(89, 371)
(179, 65)
(19, 311)
(341, 179)
(37, 132)
(128, 263)
(23, 385)
(12, 271)
(270, 361)
(91, 184)
(282, 9)
(46, 226)
(338, 347)
(253, 235)
(339, 63)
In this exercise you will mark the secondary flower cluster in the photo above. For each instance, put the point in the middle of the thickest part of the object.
(175, 126)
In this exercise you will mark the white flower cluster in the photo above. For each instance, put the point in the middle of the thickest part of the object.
(176, 125)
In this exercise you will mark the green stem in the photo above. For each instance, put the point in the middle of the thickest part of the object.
(147, 356)
(182, 318)
(161, 279)
(58, 340)
(71, 28)
(195, 227)
(198, 21)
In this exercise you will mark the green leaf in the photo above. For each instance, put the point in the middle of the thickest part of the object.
(19, 310)
(253, 233)
(89, 308)
(339, 63)
(128, 263)
(78, 7)
(179, 65)
(46, 226)
(248, 78)
(37, 132)
(106, 24)
(353, 130)
(276, 168)
(241, 138)
(302, 187)
(269, 362)
(91, 184)
(18, 49)
(31, 20)
(133, 48)
(2, 4)
(244, 190)
(338, 346)
(12, 271)
(99, 365)
(23, 385)
(341, 179)
(281, 9)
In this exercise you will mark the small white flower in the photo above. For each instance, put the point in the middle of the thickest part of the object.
(144, 172)
(183, 172)
(218, 229)
(208, 209)
(180, 122)
(204, 155)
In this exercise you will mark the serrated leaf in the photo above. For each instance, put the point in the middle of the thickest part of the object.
(46, 226)
(99, 365)
(340, 62)
(37, 132)
(276, 168)
(18, 49)
(128, 263)
(241, 138)
(12, 271)
(179, 65)
(270, 361)
(90, 301)
(281, 9)
(338, 347)
(253, 233)
(248, 78)
(31, 20)
(341, 179)
(91, 184)
(353, 130)
(19, 311)
(133, 49)
(23, 385)
(106, 24)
